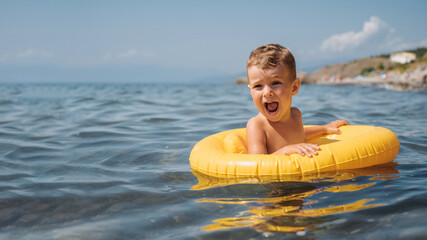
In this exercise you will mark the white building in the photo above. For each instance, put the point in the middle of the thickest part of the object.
(403, 57)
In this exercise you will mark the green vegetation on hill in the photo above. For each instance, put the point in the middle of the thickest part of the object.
(419, 52)
(367, 66)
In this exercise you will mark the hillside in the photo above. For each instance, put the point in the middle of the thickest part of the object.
(347, 70)
(376, 70)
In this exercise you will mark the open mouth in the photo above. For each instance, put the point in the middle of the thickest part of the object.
(272, 107)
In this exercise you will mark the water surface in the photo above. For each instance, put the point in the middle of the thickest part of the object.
(110, 161)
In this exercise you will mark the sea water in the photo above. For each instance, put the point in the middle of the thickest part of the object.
(110, 161)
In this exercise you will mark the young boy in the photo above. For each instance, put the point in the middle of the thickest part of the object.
(278, 128)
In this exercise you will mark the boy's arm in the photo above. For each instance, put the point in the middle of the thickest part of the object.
(312, 133)
(307, 149)
(257, 142)
(256, 139)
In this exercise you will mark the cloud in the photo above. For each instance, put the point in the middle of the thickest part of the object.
(34, 53)
(129, 55)
(396, 44)
(26, 55)
(350, 40)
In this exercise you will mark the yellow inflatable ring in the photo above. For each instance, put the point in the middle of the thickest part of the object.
(225, 154)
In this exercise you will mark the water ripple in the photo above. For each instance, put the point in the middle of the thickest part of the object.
(108, 161)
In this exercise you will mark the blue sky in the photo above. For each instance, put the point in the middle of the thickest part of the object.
(189, 40)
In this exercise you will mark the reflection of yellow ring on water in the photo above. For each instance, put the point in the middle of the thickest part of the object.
(225, 154)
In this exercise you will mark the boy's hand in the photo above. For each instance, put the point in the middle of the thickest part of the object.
(332, 128)
(303, 149)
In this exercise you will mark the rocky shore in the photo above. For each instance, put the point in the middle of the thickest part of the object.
(409, 80)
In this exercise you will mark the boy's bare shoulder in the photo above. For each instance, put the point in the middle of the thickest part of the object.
(256, 135)
(256, 121)
(256, 126)
(296, 113)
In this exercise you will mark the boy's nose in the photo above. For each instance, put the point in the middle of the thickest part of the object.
(268, 92)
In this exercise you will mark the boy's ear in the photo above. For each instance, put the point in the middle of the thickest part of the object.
(295, 87)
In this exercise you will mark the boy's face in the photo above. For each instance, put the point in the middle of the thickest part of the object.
(272, 90)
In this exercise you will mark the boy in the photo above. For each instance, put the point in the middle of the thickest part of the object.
(278, 128)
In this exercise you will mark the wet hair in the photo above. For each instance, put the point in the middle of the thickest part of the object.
(272, 55)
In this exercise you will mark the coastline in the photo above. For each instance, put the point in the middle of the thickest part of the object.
(407, 81)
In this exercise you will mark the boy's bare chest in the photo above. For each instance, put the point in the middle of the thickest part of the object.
(280, 136)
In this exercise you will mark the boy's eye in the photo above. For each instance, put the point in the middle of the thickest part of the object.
(276, 83)
(257, 86)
